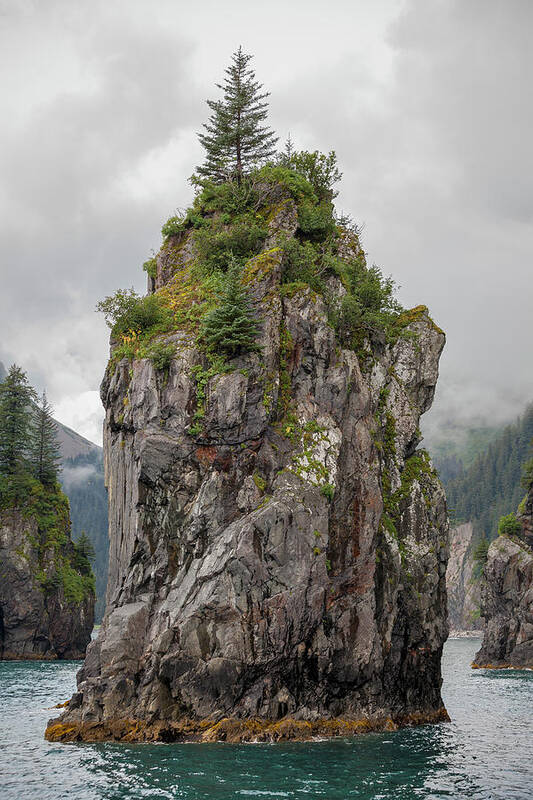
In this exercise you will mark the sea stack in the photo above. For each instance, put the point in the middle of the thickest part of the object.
(46, 583)
(278, 544)
(507, 597)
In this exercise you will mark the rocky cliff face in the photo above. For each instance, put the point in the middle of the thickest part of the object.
(462, 586)
(45, 611)
(507, 598)
(278, 569)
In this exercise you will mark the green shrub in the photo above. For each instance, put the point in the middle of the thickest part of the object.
(150, 266)
(230, 198)
(49, 508)
(126, 311)
(216, 248)
(509, 525)
(369, 306)
(328, 491)
(316, 221)
(295, 183)
(302, 264)
(176, 225)
(160, 354)
(76, 587)
(318, 169)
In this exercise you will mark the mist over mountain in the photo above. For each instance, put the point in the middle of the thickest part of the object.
(82, 480)
(482, 471)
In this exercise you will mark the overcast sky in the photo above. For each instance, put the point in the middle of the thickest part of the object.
(427, 103)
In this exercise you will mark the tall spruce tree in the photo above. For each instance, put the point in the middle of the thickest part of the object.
(230, 328)
(16, 398)
(235, 140)
(45, 455)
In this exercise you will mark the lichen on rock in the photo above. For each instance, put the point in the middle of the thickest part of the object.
(254, 590)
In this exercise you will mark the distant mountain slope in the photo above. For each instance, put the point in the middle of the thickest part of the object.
(490, 486)
(82, 479)
(453, 455)
(72, 444)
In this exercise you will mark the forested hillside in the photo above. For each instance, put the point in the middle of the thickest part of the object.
(491, 486)
(456, 453)
(82, 479)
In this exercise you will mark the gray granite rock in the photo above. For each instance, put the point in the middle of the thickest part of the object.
(252, 575)
(463, 586)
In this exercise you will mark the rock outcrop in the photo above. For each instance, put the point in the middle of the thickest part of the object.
(278, 545)
(507, 598)
(46, 602)
(462, 585)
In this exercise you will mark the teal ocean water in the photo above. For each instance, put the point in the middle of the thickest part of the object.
(486, 752)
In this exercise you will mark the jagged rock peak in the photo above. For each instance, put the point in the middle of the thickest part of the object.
(278, 544)
(507, 597)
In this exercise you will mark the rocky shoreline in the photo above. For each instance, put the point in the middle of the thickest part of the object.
(235, 731)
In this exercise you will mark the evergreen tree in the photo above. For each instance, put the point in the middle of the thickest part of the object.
(235, 140)
(16, 398)
(45, 454)
(86, 547)
(230, 327)
(527, 475)
(83, 554)
(480, 555)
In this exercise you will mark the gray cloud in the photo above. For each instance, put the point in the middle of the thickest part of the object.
(76, 476)
(425, 102)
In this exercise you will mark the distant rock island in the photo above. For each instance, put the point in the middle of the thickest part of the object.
(46, 581)
(507, 594)
(46, 598)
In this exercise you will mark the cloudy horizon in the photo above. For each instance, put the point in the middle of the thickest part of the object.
(424, 101)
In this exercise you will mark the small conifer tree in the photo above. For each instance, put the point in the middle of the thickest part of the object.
(480, 556)
(235, 139)
(84, 554)
(230, 328)
(44, 454)
(16, 398)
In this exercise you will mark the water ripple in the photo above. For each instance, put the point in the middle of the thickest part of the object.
(483, 754)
